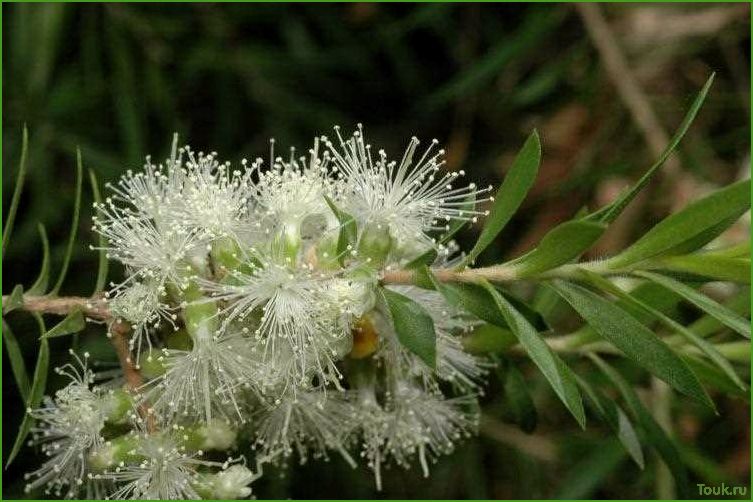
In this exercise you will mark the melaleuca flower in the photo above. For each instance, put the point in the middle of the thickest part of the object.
(67, 428)
(292, 310)
(413, 424)
(205, 382)
(229, 484)
(412, 198)
(159, 468)
(143, 306)
(214, 197)
(305, 423)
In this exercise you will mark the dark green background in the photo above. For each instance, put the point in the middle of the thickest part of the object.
(119, 79)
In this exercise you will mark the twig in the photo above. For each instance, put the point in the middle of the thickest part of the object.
(536, 446)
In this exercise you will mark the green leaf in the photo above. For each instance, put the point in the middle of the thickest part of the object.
(424, 259)
(510, 195)
(348, 229)
(488, 338)
(43, 279)
(35, 393)
(15, 300)
(711, 266)
(103, 262)
(609, 213)
(559, 246)
(17, 364)
(634, 339)
(616, 419)
(655, 435)
(703, 302)
(72, 323)
(672, 234)
(16, 199)
(703, 345)
(559, 376)
(708, 325)
(413, 325)
(517, 399)
(74, 225)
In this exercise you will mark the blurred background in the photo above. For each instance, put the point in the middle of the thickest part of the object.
(604, 85)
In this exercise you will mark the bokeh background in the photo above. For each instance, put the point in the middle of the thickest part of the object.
(118, 79)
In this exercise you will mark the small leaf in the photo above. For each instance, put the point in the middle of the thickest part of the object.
(703, 302)
(488, 338)
(609, 213)
(413, 325)
(518, 402)
(348, 229)
(17, 363)
(671, 235)
(74, 225)
(559, 376)
(670, 323)
(720, 268)
(103, 262)
(15, 300)
(40, 285)
(708, 325)
(655, 435)
(10, 218)
(616, 419)
(634, 339)
(510, 195)
(559, 246)
(35, 393)
(72, 323)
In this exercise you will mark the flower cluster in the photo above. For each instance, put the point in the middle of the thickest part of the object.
(253, 294)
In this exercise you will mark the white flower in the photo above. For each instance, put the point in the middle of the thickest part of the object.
(67, 429)
(205, 382)
(413, 424)
(214, 197)
(306, 421)
(165, 471)
(412, 198)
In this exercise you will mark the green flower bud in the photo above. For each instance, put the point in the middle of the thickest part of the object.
(375, 244)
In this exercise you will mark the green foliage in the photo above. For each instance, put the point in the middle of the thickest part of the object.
(72, 323)
(637, 342)
(74, 225)
(17, 364)
(507, 200)
(10, 218)
(348, 230)
(413, 325)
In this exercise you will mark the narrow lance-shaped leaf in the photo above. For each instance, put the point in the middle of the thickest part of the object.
(74, 225)
(40, 285)
(559, 376)
(609, 213)
(721, 268)
(510, 195)
(413, 325)
(35, 393)
(17, 364)
(671, 235)
(72, 323)
(670, 323)
(517, 399)
(616, 419)
(703, 302)
(634, 339)
(102, 263)
(10, 218)
(655, 435)
(559, 246)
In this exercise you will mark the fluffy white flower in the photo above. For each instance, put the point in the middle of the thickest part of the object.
(412, 198)
(165, 470)
(67, 429)
(306, 422)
